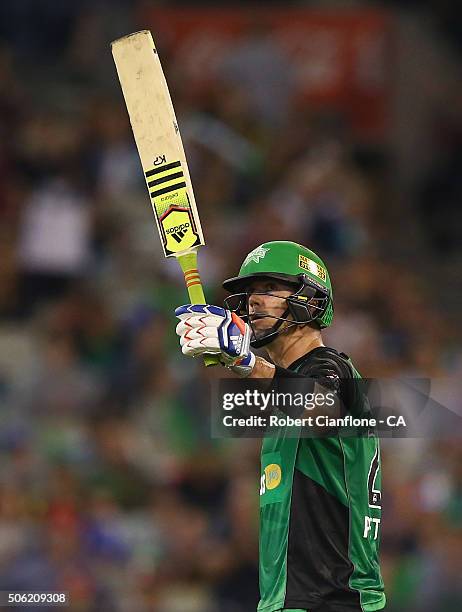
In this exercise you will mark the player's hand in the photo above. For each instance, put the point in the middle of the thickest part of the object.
(205, 329)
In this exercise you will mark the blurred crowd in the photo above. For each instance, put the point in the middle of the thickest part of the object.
(111, 487)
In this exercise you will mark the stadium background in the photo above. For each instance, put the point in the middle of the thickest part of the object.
(335, 124)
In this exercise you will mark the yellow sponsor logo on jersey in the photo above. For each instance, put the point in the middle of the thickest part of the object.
(311, 266)
(273, 476)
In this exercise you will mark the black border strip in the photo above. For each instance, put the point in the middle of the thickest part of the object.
(159, 192)
(162, 168)
(164, 179)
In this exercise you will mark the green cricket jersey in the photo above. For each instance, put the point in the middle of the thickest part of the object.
(320, 509)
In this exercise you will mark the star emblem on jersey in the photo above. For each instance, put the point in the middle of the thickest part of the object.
(255, 255)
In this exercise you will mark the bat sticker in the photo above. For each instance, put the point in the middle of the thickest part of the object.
(178, 230)
(167, 187)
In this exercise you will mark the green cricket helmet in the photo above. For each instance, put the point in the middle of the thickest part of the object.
(295, 265)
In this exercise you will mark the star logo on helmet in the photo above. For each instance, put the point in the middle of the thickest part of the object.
(256, 255)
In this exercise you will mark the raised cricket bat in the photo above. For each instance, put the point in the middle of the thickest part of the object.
(160, 148)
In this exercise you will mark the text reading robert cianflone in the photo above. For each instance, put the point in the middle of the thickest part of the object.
(310, 408)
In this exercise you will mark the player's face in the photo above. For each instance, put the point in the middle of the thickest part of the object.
(266, 301)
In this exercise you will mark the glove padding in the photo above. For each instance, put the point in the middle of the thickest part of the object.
(212, 330)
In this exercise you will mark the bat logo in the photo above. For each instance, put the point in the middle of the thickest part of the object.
(178, 236)
(160, 159)
(178, 230)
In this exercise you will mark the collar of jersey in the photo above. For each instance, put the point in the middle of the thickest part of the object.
(298, 362)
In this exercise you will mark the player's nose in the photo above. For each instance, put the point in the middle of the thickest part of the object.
(254, 301)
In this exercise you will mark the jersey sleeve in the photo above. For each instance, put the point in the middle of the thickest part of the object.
(332, 371)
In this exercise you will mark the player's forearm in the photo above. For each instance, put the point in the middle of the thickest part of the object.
(262, 369)
(265, 369)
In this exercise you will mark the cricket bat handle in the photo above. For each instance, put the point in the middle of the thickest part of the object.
(188, 263)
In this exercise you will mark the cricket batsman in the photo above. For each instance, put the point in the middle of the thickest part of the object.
(320, 497)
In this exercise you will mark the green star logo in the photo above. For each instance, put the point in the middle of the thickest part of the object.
(256, 255)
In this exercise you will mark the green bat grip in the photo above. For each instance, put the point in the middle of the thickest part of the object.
(188, 263)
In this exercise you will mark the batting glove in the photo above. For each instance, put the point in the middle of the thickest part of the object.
(213, 330)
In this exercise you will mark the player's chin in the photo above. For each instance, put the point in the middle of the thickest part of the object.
(261, 324)
(260, 327)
